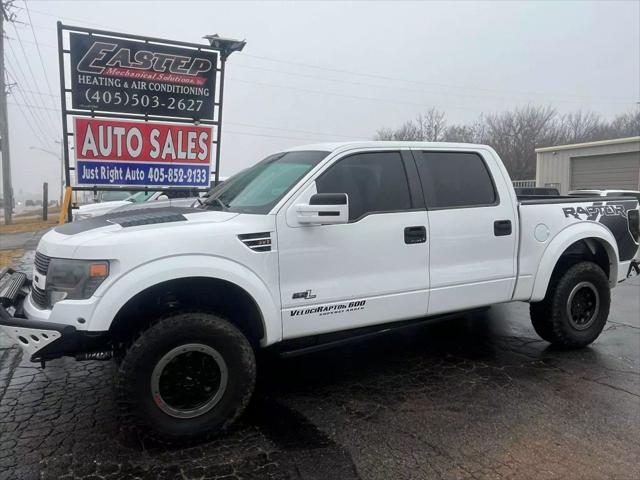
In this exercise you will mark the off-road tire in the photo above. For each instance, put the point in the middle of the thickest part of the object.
(137, 406)
(550, 318)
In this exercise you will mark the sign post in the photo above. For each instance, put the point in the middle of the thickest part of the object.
(143, 109)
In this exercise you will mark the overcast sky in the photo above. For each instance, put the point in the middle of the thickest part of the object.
(382, 63)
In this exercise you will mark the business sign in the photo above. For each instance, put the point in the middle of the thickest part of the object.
(119, 75)
(117, 152)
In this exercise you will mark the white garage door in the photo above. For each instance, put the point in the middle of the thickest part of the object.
(617, 171)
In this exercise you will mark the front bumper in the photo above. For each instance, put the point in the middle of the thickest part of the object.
(40, 340)
(43, 340)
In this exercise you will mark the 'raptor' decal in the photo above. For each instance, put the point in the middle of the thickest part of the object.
(612, 215)
(592, 212)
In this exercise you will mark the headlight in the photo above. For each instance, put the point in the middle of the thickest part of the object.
(74, 279)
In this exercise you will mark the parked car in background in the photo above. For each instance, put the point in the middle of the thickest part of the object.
(536, 191)
(605, 193)
(172, 198)
(137, 198)
(103, 205)
(176, 199)
(112, 196)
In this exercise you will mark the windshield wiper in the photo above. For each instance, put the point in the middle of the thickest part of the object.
(210, 200)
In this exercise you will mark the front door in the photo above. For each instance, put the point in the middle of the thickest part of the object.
(473, 230)
(371, 270)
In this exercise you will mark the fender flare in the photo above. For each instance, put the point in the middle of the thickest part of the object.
(144, 276)
(590, 232)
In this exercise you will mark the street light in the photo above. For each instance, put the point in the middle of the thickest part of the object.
(59, 157)
(226, 46)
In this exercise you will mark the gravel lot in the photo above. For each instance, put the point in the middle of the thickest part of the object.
(474, 397)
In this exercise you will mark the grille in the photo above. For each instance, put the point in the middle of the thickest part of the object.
(39, 297)
(258, 242)
(42, 263)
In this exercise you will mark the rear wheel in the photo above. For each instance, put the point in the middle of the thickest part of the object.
(576, 307)
(187, 377)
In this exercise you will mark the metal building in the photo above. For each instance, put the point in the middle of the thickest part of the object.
(609, 164)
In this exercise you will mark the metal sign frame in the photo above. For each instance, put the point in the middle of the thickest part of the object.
(216, 122)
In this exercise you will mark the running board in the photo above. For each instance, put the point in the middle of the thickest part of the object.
(315, 343)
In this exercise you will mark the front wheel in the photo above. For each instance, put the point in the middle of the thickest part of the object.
(187, 377)
(576, 307)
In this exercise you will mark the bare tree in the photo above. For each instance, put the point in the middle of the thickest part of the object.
(432, 125)
(579, 126)
(407, 131)
(427, 127)
(515, 134)
(626, 125)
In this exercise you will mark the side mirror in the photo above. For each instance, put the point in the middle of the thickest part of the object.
(324, 209)
(162, 197)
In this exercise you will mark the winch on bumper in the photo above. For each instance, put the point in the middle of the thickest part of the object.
(41, 340)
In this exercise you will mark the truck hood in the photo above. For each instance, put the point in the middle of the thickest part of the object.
(105, 236)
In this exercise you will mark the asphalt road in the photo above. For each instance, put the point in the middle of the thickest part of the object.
(475, 397)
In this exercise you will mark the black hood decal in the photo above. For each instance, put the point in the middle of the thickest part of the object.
(146, 216)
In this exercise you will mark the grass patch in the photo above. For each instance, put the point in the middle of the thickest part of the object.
(28, 225)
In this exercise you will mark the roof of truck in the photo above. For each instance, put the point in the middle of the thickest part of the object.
(332, 146)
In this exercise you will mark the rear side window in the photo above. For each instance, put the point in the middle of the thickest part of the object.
(374, 182)
(455, 180)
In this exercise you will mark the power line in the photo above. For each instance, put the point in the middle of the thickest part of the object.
(397, 79)
(65, 18)
(269, 136)
(416, 90)
(42, 44)
(36, 135)
(39, 119)
(20, 80)
(35, 92)
(33, 77)
(343, 95)
(295, 130)
(44, 70)
(557, 97)
(36, 120)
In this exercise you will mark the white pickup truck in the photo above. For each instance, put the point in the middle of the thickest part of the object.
(308, 248)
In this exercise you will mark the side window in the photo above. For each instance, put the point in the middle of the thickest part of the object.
(375, 182)
(455, 179)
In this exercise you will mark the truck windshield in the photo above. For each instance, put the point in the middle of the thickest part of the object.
(259, 188)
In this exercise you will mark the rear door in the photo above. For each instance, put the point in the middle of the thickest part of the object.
(472, 229)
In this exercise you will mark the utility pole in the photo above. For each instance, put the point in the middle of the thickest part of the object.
(4, 126)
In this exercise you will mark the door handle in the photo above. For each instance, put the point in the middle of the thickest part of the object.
(502, 228)
(415, 235)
